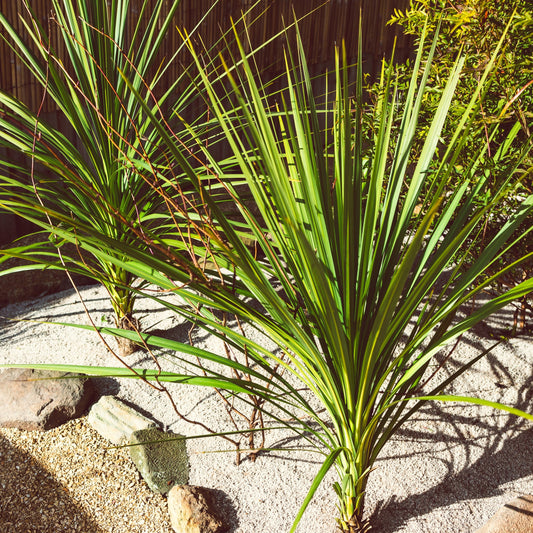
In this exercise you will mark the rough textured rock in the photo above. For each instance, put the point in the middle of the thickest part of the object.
(514, 517)
(161, 458)
(116, 421)
(40, 400)
(193, 510)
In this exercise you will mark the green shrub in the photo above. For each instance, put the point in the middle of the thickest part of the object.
(474, 27)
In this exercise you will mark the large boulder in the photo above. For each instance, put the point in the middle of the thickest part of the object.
(40, 399)
(514, 517)
(193, 510)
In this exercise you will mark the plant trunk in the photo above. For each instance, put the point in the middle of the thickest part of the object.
(357, 525)
(126, 346)
(352, 496)
(355, 522)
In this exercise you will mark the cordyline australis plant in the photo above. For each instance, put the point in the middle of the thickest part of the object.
(82, 185)
(355, 277)
(84, 180)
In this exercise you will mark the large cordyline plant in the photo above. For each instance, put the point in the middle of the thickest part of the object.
(354, 276)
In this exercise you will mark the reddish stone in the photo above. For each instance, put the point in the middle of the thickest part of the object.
(193, 510)
(40, 400)
(514, 517)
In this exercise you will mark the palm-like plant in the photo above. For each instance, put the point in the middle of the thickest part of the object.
(350, 281)
(351, 286)
(84, 178)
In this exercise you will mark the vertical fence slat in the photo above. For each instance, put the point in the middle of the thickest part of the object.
(330, 24)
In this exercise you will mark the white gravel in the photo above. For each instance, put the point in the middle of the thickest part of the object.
(447, 471)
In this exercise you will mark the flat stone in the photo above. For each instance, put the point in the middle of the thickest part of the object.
(161, 458)
(193, 510)
(41, 399)
(116, 421)
(514, 517)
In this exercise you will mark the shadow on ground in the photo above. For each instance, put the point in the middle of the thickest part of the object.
(499, 464)
(31, 500)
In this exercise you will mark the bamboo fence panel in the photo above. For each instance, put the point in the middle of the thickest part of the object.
(324, 23)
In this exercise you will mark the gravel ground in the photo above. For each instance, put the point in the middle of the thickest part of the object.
(446, 471)
(69, 479)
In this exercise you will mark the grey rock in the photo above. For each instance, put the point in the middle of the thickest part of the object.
(514, 517)
(40, 399)
(193, 510)
(116, 421)
(161, 458)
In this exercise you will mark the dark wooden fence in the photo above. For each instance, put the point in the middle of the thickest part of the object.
(323, 23)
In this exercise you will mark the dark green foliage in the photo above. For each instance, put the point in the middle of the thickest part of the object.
(474, 27)
(62, 181)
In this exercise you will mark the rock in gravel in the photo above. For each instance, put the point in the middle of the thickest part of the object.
(161, 458)
(116, 421)
(193, 510)
(40, 400)
(515, 516)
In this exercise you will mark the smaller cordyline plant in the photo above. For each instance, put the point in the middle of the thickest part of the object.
(359, 277)
(72, 187)
(82, 178)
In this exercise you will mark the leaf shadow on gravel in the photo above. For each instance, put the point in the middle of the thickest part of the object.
(507, 457)
(31, 500)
